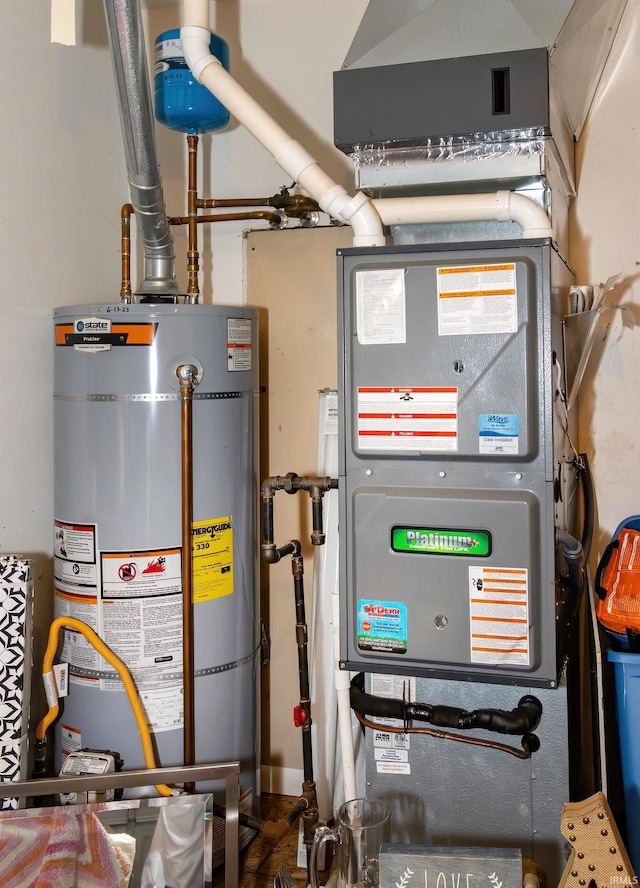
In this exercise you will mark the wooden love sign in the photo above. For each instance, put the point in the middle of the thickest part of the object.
(422, 866)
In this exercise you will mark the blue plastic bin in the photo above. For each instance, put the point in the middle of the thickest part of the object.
(627, 680)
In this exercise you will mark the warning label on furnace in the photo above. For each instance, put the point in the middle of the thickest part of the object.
(475, 299)
(499, 611)
(382, 626)
(212, 553)
(408, 418)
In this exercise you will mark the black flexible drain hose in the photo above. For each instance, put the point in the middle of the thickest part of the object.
(589, 507)
(521, 720)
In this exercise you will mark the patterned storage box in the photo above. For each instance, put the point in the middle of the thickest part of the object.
(16, 603)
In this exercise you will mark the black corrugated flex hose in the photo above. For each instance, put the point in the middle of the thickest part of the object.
(521, 720)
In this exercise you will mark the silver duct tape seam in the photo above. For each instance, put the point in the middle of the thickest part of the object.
(16, 602)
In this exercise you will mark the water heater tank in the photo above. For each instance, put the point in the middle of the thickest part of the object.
(181, 103)
(118, 529)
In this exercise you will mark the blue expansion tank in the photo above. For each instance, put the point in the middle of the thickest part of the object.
(181, 103)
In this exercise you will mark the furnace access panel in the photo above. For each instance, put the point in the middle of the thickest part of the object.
(455, 468)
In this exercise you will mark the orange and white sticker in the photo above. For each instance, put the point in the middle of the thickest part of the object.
(71, 739)
(499, 610)
(476, 299)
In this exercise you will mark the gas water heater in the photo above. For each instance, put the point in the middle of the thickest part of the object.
(457, 474)
(118, 556)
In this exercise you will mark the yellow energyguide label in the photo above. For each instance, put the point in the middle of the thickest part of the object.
(212, 558)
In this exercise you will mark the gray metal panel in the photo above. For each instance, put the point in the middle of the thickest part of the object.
(435, 588)
(410, 103)
(457, 794)
(503, 373)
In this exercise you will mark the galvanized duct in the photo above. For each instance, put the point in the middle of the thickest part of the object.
(128, 50)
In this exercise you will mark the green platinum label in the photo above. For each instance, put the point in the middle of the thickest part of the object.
(441, 541)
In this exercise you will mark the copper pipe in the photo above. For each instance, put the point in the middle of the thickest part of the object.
(193, 290)
(281, 201)
(125, 252)
(187, 375)
(214, 202)
(272, 218)
(443, 735)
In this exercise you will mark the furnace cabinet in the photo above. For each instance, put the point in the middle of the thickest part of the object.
(457, 465)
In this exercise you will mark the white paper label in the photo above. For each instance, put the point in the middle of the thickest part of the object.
(61, 676)
(395, 687)
(393, 768)
(164, 707)
(380, 307)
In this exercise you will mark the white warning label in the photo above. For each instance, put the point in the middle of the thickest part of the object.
(239, 344)
(408, 418)
(142, 609)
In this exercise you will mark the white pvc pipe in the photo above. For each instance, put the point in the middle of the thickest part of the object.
(501, 206)
(287, 153)
(343, 687)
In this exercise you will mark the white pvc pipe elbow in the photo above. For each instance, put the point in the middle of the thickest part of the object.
(529, 215)
(501, 206)
(288, 154)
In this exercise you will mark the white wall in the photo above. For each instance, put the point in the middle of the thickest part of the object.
(62, 182)
(605, 240)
